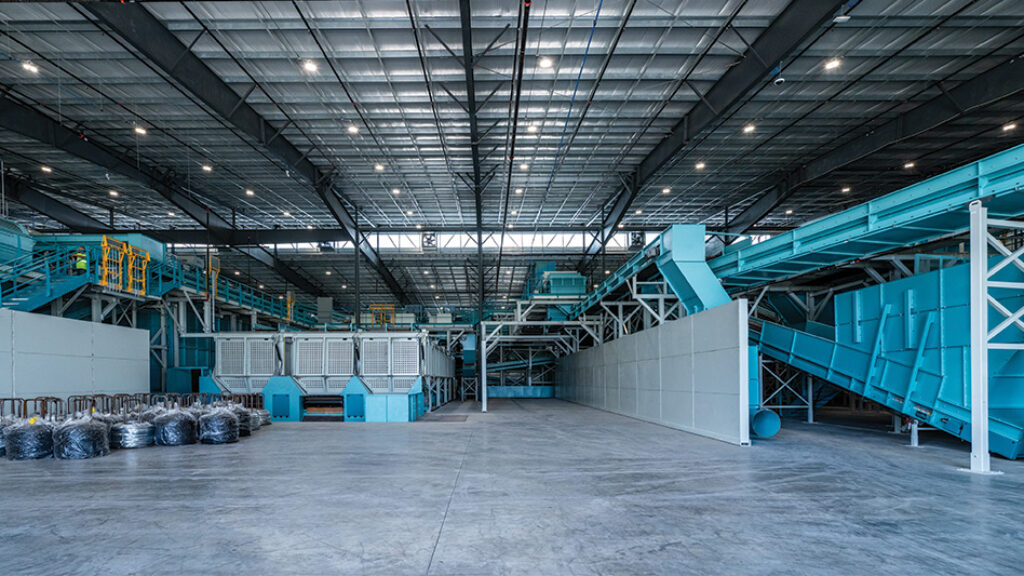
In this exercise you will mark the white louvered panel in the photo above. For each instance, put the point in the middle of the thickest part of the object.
(262, 357)
(235, 385)
(257, 384)
(403, 384)
(375, 357)
(231, 357)
(312, 383)
(308, 357)
(378, 384)
(337, 383)
(405, 359)
(340, 357)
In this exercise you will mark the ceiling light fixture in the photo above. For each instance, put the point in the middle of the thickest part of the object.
(309, 66)
(519, 190)
(639, 211)
(699, 165)
(621, 226)
(531, 129)
(789, 211)
(396, 191)
(140, 130)
(846, 190)
(832, 64)
(309, 226)
(286, 213)
(408, 212)
(908, 165)
(510, 226)
(524, 166)
(170, 213)
(748, 128)
(250, 193)
(666, 190)
(1010, 126)
(344, 286)
(841, 18)
(30, 67)
(432, 286)
(46, 169)
(328, 272)
(113, 193)
(419, 226)
(353, 129)
(545, 62)
(514, 212)
(237, 273)
(426, 271)
(261, 286)
(207, 168)
(378, 167)
(607, 272)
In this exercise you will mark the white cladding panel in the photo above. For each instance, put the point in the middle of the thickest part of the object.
(50, 356)
(689, 374)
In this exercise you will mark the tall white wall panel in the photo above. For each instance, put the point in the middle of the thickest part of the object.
(49, 356)
(690, 374)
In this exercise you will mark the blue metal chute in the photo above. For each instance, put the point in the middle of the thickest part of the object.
(919, 213)
(682, 264)
(678, 254)
(906, 345)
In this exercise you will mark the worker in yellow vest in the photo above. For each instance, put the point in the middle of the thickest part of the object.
(81, 261)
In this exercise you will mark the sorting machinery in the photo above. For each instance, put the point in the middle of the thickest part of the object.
(903, 344)
(355, 376)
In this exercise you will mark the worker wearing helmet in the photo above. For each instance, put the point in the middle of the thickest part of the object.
(80, 261)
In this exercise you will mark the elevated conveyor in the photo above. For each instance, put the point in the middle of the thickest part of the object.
(922, 212)
(906, 346)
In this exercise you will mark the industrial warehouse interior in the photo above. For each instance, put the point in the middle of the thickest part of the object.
(519, 287)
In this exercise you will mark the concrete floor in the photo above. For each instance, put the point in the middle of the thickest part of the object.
(533, 487)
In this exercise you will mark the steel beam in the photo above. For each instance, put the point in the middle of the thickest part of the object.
(996, 84)
(135, 24)
(31, 194)
(31, 123)
(786, 33)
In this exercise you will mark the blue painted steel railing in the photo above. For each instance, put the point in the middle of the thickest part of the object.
(34, 279)
(919, 213)
(172, 275)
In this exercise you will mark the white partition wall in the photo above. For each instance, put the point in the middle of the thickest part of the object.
(690, 374)
(50, 356)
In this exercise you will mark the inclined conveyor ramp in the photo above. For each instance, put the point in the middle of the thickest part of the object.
(906, 345)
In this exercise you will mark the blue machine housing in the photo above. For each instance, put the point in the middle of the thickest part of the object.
(906, 345)
(363, 405)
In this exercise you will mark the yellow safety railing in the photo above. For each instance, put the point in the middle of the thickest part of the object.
(212, 274)
(112, 264)
(138, 262)
(383, 314)
(123, 266)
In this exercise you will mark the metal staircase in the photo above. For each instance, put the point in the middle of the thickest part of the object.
(36, 279)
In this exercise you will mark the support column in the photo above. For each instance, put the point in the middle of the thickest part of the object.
(355, 271)
(482, 388)
(979, 339)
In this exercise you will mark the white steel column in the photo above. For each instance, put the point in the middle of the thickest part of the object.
(979, 339)
(483, 368)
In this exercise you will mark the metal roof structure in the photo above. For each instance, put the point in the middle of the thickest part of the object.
(561, 127)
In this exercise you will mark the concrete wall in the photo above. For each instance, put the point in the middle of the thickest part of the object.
(48, 356)
(689, 374)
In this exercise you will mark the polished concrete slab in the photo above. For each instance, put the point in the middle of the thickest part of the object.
(532, 487)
